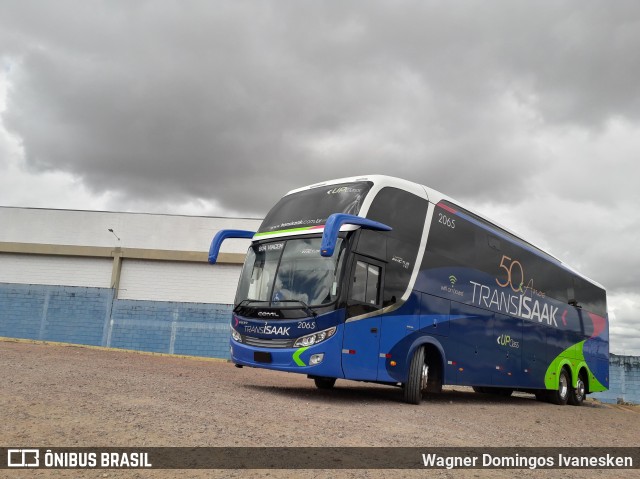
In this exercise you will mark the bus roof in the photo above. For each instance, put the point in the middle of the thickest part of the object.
(433, 196)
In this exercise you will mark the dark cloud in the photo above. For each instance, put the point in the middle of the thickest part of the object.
(161, 100)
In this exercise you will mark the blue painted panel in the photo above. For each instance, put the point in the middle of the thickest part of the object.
(210, 340)
(393, 329)
(76, 315)
(534, 354)
(363, 338)
(171, 327)
(472, 343)
(21, 310)
(507, 342)
(153, 336)
(434, 315)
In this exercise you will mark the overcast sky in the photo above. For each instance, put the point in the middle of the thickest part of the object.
(528, 111)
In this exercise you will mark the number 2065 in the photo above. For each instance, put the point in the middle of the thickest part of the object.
(445, 220)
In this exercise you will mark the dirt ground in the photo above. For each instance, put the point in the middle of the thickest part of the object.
(69, 396)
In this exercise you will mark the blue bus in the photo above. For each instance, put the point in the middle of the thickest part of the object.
(383, 280)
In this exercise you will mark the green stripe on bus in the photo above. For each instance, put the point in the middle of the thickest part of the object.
(296, 356)
(573, 356)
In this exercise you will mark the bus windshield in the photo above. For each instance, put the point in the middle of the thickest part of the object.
(291, 271)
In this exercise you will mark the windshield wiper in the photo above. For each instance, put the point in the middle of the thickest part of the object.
(305, 306)
(247, 302)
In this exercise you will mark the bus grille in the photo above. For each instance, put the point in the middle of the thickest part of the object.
(268, 343)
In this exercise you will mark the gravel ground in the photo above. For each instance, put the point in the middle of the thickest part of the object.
(68, 396)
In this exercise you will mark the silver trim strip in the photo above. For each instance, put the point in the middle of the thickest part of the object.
(267, 343)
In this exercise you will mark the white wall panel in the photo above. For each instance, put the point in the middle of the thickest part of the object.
(55, 270)
(174, 281)
(135, 230)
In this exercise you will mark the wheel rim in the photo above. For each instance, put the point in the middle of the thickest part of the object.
(423, 379)
(580, 389)
(563, 389)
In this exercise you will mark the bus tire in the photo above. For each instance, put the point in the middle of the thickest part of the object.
(479, 389)
(324, 383)
(577, 394)
(417, 378)
(561, 395)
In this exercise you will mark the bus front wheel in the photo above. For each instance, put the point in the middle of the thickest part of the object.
(417, 378)
(324, 383)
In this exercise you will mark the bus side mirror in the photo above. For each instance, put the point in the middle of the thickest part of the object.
(335, 222)
(222, 235)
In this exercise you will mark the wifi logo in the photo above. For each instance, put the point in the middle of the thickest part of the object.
(453, 280)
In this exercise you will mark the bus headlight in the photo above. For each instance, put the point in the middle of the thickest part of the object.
(236, 335)
(315, 338)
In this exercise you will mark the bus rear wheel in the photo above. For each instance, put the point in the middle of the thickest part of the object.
(577, 394)
(324, 383)
(561, 395)
(417, 379)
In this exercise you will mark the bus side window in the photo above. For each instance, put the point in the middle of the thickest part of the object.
(366, 283)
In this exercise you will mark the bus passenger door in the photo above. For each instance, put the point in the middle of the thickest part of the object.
(361, 342)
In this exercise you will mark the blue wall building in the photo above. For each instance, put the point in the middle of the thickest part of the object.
(624, 380)
(93, 316)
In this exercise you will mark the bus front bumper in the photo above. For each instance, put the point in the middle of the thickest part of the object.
(323, 359)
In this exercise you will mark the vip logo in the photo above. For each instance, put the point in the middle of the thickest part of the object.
(23, 457)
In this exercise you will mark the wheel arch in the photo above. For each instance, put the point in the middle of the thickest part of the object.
(582, 370)
(552, 376)
(433, 351)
